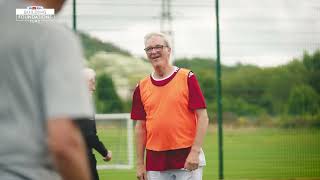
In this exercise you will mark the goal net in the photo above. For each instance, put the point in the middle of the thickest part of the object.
(116, 133)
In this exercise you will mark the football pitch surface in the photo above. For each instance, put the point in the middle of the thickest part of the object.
(249, 153)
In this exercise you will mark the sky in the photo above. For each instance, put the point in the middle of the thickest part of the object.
(259, 32)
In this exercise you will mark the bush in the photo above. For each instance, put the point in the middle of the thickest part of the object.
(306, 120)
(303, 100)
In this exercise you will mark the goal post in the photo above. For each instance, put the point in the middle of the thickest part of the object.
(116, 133)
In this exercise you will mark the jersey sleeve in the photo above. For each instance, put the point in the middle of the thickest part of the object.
(137, 109)
(196, 98)
(96, 143)
(63, 85)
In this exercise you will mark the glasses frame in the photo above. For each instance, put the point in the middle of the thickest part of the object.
(157, 48)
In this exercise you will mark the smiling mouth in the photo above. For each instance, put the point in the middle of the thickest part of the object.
(155, 57)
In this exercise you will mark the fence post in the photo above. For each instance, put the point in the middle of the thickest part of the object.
(219, 103)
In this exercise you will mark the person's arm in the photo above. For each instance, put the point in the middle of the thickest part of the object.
(141, 137)
(89, 132)
(95, 143)
(67, 149)
(98, 145)
(192, 161)
(138, 113)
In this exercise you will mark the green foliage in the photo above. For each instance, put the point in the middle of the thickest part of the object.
(92, 45)
(265, 93)
(247, 83)
(312, 63)
(303, 100)
(107, 100)
(299, 121)
(278, 82)
(241, 107)
(208, 83)
(196, 64)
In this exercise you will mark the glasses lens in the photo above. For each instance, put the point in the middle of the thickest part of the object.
(157, 48)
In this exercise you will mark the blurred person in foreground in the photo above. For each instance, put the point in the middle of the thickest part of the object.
(42, 91)
(171, 118)
(89, 130)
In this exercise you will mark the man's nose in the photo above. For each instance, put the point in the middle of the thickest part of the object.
(153, 50)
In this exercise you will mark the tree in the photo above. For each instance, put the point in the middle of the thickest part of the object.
(303, 100)
(92, 45)
(312, 63)
(107, 100)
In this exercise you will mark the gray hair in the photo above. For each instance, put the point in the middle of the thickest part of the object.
(89, 74)
(165, 37)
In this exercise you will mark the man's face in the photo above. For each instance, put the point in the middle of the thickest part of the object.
(157, 51)
(92, 85)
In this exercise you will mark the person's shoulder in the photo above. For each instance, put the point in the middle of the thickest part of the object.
(57, 32)
(145, 79)
(185, 72)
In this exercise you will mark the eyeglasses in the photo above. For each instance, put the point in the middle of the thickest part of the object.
(157, 48)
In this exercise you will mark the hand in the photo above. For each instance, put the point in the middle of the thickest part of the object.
(108, 156)
(141, 172)
(192, 161)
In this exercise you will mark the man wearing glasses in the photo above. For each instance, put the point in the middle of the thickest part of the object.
(171, 118)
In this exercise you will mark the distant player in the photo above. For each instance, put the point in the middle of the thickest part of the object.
(89, 130)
